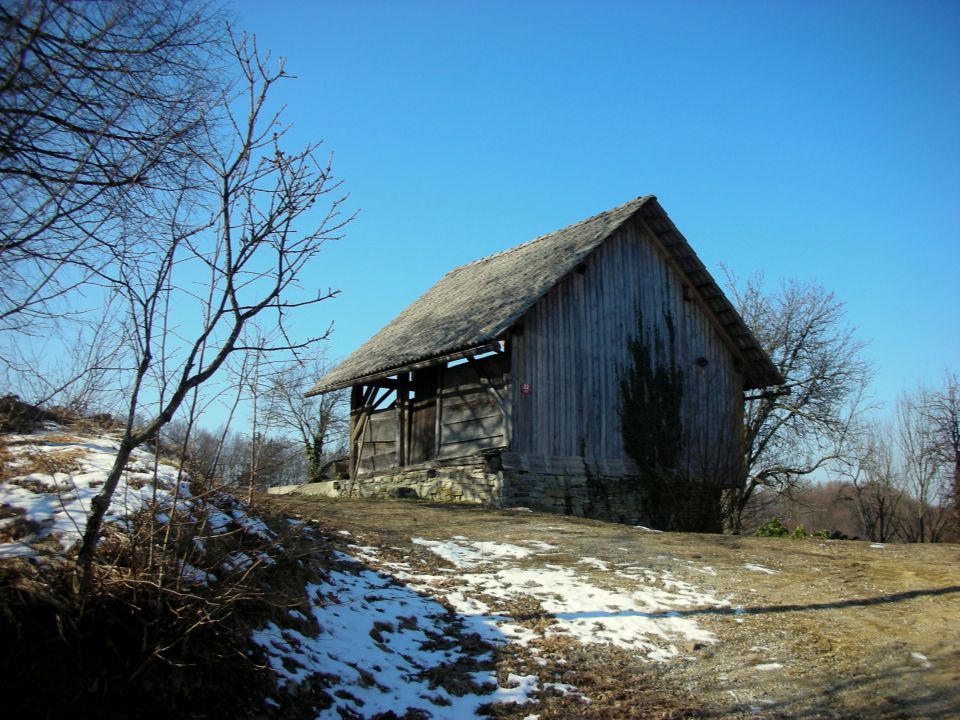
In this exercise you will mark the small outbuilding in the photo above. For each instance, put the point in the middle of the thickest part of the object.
(553, 375)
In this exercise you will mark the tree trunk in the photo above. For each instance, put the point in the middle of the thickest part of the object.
(98, 510)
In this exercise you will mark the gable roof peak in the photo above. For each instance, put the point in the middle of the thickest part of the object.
(475, 304)
(637, 202)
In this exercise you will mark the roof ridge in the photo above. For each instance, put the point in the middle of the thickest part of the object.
(550, 234)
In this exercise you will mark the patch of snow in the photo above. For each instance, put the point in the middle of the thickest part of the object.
(922, 659)
(58, 502)
(377, 643)
(219, 522)
(595, 563)
(15, 549)
(563, 689)
(877, 546)
(466, 554)
(364, 552)
(646, 529)
(759, 568)
(768, 666)
(644, 619)
(252, 525)
(237, 561)
(195, 575)
(540, 545)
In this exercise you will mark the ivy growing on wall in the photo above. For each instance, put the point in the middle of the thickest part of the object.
(651, 393)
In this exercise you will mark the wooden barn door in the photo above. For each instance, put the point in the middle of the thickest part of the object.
(423, 416)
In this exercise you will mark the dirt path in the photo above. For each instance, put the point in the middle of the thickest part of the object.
(813, 628)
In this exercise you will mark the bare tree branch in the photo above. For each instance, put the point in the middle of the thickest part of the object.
(253, 253)
(789, 437)
(101, 104)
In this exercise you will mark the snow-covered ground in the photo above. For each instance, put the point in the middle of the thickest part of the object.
(377, 634)
(640, 617)
(385, 647)
(62, 473)
(381, 633)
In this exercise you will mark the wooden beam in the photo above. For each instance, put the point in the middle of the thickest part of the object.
(379, 401)
(485, 381)
(356, 415)
(402, 406)
(355, 466)
(441, 371)
(491, 346)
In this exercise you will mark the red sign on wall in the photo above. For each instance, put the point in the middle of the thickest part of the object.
(526, 389)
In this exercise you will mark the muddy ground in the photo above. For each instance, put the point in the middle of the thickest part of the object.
(842, 629)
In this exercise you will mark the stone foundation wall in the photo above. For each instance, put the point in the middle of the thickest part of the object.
(601, 497)
(469, 482)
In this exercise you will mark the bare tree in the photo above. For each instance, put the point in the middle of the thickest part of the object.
(74, 368)
(943, 412)
(923, 469)
(791, 434)
(319, 423)
(874, 474)
(102, 105)
(239, 230)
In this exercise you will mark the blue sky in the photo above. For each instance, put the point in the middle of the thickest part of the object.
(809, 140)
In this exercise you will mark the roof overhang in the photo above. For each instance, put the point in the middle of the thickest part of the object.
(320, 389)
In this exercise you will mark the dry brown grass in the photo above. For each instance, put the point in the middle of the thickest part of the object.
(7, 460)
(148, 637)
(19, 458)
(15, 525)
(842, 618)
(55, 439)
(56, 461)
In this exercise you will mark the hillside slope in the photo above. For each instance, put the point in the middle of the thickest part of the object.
(613, 621)
(309, 608)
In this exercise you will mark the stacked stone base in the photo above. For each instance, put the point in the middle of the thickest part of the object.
(611, 498)
(468, 482)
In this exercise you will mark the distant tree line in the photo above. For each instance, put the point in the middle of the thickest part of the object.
(288, 440)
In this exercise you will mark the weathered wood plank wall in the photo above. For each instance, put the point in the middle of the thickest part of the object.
(378, 442)
(421, 442)
(470, 416)
(462, 419)
(572, 350)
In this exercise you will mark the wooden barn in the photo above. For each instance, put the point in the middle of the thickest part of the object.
(504, 383)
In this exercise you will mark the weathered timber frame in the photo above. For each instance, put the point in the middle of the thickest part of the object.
(429, 410)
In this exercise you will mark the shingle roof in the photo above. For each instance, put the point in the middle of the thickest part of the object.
(476, 303)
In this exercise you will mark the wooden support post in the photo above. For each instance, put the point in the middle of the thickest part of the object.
(507, 349)
(403, 404)
(441, 371)
(356, 410)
